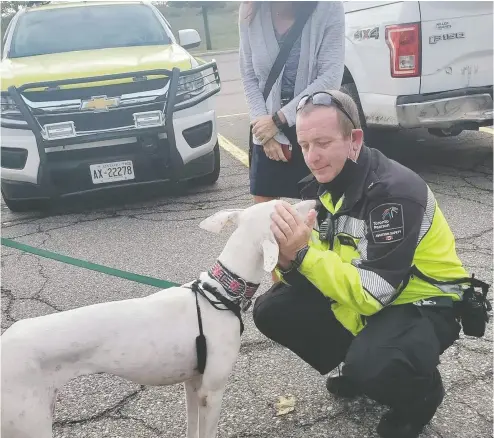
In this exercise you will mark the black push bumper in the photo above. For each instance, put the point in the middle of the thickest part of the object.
(146, 171)
(64, 172)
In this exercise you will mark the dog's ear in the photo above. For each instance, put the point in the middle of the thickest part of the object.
(270, 251)
(216, 222)
(304, 207)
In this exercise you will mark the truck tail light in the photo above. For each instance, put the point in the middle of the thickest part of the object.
(404, 46)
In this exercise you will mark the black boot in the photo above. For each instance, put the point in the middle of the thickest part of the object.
(342, 386)
(409, 423)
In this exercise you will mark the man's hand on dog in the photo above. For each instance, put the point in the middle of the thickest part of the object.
(291, 231)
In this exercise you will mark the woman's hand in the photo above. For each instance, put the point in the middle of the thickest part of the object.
(264, 128)
(273, 151)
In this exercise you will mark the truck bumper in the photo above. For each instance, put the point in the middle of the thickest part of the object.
(73, 177)
(182, 148)
(466, 107)
(65, 171)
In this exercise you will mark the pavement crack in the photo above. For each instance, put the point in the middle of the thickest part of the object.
(15, 223)
(44, 301)
(36, 297)
(319, 419)
(436, 431)
(458, 196)
(249, 378)
(12, 299)
(475, 186)
(475, 236)
(8, 308)
(105, 413)
(47, 230)
(480, 414)
(141, 421)
(482, 251)
(45, 278)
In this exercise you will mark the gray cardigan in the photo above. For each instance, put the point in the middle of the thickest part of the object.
(321, 64)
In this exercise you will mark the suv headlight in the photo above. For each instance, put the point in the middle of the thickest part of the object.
(8, 108)
(189, 86)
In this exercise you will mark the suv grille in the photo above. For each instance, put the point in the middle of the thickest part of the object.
(138, 86)
(95, 121)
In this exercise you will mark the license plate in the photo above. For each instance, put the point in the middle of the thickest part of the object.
(111, 172)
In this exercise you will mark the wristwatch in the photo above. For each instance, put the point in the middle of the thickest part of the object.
(277, 121)
(299, 258)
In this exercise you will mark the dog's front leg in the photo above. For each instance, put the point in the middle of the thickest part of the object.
(209, 412)
(191, 392)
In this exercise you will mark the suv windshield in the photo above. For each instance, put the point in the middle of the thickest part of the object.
(40, 32)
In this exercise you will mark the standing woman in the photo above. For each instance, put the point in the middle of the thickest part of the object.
(315, 62)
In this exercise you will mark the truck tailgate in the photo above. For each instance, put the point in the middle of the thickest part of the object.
(456, 45)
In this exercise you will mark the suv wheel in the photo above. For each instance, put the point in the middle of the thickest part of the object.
(212, 177)
(20, 206)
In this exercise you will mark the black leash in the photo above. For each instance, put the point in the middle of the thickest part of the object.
(201, 346)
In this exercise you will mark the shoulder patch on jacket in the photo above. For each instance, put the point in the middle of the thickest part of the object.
(386, 223)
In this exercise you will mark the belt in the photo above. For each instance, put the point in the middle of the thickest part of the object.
(444, 302)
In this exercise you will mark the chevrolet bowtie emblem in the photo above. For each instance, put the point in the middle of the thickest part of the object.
(100, 103)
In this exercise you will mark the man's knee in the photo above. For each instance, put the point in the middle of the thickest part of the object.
(377, 366)
(391, 373)
(399, 342)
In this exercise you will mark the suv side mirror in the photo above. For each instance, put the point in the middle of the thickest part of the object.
(189, 38)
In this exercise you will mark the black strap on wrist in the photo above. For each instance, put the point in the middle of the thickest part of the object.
(277, 121)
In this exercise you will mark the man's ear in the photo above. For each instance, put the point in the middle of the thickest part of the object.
(270, 252)
(216, 222)
(357, 141)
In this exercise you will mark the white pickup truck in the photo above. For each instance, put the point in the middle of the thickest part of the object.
(420, 64)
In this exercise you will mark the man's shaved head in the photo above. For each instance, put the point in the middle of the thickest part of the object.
(349, 106)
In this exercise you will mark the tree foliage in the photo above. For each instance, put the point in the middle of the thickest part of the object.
(205, 8)
(10, 8)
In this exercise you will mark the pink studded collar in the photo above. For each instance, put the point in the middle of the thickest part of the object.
(234, 285)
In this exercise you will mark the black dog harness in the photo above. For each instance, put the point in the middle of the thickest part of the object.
(241, 293)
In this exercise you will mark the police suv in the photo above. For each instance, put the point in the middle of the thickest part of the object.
(96, 96)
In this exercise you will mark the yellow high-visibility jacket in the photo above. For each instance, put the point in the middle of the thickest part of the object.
(386, 226)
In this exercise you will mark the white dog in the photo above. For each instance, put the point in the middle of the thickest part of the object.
(150, 341)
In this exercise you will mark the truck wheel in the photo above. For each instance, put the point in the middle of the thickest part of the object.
(452, 132)
(20, 206)
(212, 177)
(351, 90)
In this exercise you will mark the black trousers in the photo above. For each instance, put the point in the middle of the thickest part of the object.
(393, 360)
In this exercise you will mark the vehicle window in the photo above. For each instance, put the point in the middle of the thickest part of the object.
(86, 28)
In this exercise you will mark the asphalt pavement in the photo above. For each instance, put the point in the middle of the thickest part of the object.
(156, 233)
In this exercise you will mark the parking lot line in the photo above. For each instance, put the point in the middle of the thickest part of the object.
(231, 115)
(234, 150)
(487, 129)
(143, 279)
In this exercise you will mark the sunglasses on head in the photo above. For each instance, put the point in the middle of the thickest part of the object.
(323, 98)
